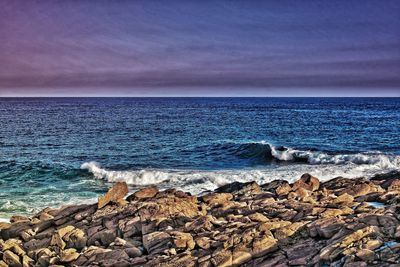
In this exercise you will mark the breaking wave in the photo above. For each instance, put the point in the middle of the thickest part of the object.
(323, 165)
(269, 152)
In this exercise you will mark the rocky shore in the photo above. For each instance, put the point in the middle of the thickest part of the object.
(342, 222)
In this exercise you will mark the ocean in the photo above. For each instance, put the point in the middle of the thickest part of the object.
(57, 151)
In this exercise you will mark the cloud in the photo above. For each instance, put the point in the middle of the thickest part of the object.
(192, 44)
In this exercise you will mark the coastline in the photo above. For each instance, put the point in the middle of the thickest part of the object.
(351, 222)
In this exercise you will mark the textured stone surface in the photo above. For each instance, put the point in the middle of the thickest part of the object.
(116, 194)
(241, 224)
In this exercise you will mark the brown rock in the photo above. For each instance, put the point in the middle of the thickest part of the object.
(17, 218)
(307, 182)
(156, 242)
(203, 242)
(283, 189)
(394, 185)
(27, 261)
(258, 217)
(343, 199)
(11, 259)
(65, 230)
(333, 250)
(365, 254)
(69, 255)
(360, 189)
(217, 198)
(144, 193)
(183, 240)
(263, 245)
(326, 227)
(222, 258)
(115, 194)
(287, 231)
(238, 188)
(240, 256)
(56, 240)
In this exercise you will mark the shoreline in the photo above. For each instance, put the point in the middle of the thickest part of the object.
(352, 222)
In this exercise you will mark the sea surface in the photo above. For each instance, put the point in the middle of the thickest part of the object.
(56, 151)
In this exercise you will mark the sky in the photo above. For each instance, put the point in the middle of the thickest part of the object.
(199, 48)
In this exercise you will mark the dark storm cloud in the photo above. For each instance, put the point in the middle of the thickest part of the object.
(48, 46)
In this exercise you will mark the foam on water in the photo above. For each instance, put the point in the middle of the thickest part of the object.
(319, 164)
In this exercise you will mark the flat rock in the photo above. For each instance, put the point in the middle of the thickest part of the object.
(144, 193)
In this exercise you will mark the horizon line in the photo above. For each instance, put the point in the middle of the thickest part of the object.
(199, 96)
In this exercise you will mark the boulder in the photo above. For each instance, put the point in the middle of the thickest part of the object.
(116, 195)
(326, 227)
(217, 198)
(238, 188)
(183, 240)
(11, 259)
(144, 193)
(264, 245)
(69, 255)
(365, 255)
(307, 182)
(283, 189)
(157, 242)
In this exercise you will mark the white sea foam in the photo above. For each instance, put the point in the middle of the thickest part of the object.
(380, 160)
(196, 181)
(140, 177)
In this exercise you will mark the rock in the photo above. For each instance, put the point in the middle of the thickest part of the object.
(183, 240)
(283, 189)
(17, 218)
(116, 194)
(222, 257)
(326, 227)
(332, 251)
(65, 230)
(56, 240)
(272, 186)
(258, 217)
(343, 199)
(302, 252)
(241, 224)
(287, 231)
(240, 257)
(156, 242)
(69, 255)
(360, 189)
(238, 188)
(394, 185)
(203, 242)
(27, 261)
(144, 193)
(307, 182)
(11, 259)
(217, 198)
(133, 252)
(264, 245)
(366, 255)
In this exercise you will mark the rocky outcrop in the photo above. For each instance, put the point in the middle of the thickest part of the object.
(342, 222)
(115, 195)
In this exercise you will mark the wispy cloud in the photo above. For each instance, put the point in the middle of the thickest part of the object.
(262, 45)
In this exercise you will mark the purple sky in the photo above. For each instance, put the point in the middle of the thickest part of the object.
(195, 48)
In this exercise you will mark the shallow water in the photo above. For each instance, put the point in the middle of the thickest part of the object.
(64, 150)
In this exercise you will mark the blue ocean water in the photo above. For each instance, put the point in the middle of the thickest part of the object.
(55, 151)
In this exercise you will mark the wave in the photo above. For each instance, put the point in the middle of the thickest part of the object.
(320, 164)
(268, 152)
